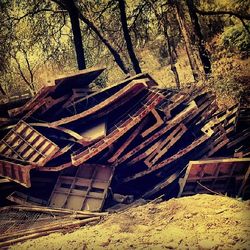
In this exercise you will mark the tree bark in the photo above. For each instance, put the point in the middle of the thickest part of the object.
(241, 16)
(74, 19)
(91, 25)
(205, 57)
(114, 53)
(193, 60)
(170, 51)
(127, 37)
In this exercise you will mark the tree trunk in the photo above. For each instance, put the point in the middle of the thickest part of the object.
(193, 60)
(205, 58)
(91, 25)
(114, 53)
(73, 14)
(170, 51)
(127, 37)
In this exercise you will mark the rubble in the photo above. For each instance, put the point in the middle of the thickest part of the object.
(20, 223)
(76, 148)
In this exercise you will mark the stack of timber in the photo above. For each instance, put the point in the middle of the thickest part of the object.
(72, 147)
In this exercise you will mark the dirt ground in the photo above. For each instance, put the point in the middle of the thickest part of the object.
(197, 222)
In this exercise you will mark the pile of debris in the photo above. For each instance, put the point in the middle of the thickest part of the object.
(20, 223)
(75, 148)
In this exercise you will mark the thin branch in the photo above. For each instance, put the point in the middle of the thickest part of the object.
(32, 13)
(222, 12)
(241, 16)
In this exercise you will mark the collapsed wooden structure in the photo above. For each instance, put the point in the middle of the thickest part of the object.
(89, 150)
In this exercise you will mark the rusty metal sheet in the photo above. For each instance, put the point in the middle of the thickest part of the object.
(183, 117)
(227, 117)
(85, 190)
(224, 176)
(123, 95)
(82, 138)
(169, 160)
(25, 143)
(165, 145)
(144, 154)
(30, 105)
(24, 199)
(80, 79)
(157, 124)
(120, 129)
(134, 134)
(161, 185)
(102, 94)
(50, 102)
(16, 172)
(77, 94)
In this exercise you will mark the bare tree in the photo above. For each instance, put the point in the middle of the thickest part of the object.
(127, 37)
(74, 19)
(198, 36)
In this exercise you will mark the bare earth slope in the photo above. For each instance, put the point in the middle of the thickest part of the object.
(197, 222)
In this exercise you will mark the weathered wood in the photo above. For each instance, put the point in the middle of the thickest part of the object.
(26, 200)
(50, 210)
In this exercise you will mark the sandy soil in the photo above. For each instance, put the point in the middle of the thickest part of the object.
(197, 222)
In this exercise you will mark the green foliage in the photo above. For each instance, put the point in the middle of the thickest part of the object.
(236, 38)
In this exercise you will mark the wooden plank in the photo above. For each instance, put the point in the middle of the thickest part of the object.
(23, 199)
